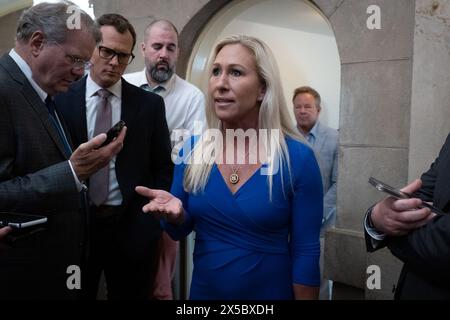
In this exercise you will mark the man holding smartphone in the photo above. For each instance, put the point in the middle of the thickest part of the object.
(39, 173)
(415, 235)
(124, 240)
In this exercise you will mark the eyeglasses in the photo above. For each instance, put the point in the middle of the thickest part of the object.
(77, 63)
(107, 53)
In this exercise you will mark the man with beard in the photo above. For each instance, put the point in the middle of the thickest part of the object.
(184, 105)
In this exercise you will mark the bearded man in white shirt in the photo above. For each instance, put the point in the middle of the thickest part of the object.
(185, 106)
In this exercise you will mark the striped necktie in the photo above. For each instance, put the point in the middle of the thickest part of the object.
(99, 181)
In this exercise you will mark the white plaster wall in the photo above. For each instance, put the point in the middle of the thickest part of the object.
(300, 37)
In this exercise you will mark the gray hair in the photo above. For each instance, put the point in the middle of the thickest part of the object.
(52, 19)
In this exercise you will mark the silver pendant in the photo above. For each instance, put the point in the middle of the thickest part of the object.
(234, 178)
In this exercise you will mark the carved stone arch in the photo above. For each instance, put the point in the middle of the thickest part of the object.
(375, 122)
(196, 24)
(192, 30)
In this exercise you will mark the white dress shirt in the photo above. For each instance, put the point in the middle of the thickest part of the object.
(184, 103)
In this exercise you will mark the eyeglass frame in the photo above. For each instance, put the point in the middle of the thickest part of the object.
(116, 53)
(77, 63)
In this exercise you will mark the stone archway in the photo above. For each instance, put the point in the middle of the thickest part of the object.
(308, 44)
(374, 63)
(383, 131)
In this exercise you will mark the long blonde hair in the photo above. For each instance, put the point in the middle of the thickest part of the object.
(273, 114)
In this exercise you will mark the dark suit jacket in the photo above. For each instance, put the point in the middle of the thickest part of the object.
(144, 160)
(425, 252)
(35, 177)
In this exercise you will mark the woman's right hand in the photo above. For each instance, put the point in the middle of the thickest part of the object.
(163, 205)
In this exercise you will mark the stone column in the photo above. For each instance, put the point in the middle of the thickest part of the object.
(10, 12)
(374, 133)
(430, 105)
(394, 109)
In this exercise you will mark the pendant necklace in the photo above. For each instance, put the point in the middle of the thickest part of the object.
(234, 177)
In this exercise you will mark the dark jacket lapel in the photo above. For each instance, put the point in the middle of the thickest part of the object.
(130, 104)
(34, 100)
(442, 185)
(72, 106)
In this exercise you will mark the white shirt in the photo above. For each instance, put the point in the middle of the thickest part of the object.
(184, 103)
(26, 70)
(375, 236)
(92, 101)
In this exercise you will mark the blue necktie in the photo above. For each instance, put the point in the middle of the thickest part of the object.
(54, 120)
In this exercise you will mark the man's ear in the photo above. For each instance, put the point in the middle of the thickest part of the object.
(36, 42)
(143, 49)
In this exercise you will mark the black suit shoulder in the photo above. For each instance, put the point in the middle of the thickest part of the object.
(140, 95)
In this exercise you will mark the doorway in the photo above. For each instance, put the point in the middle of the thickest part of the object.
(303, 43)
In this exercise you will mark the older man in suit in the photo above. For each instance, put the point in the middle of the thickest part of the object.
(124, 240)
(39, 174)
(324, 140)
(415, 235)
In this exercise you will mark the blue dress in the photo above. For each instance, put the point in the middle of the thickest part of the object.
(248, 247)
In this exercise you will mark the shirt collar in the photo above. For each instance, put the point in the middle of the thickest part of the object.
(26, 70)
(314, 129)
(92, 87)
(168, 85)
(141, 79)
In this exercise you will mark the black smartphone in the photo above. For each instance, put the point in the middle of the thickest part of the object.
(20, 220)
(113, 132)
(383, 187)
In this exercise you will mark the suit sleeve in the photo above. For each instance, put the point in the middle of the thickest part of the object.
(427, 248)
(161, 149)
(429, 178)
(34, 189)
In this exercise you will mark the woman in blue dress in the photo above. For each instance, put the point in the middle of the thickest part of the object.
(250, 187)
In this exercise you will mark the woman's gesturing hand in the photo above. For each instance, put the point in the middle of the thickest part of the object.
(163, 205)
